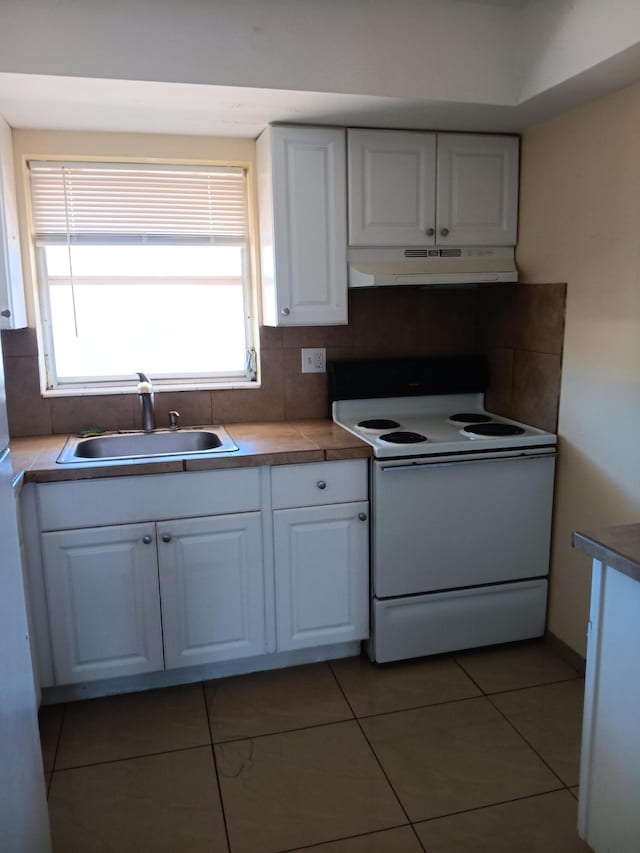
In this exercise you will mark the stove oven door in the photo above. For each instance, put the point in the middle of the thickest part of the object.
(460, 523)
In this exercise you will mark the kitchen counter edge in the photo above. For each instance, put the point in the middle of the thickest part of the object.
(618, 547)
(260, 443)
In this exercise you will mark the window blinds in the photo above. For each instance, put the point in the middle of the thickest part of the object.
(108, 203)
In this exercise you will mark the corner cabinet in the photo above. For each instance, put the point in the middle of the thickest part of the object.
(303, 231)
(12, 303)
(427, 189)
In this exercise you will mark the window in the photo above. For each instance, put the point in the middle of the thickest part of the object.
(143, 268)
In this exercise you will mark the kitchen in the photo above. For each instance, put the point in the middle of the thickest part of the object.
(567, 226)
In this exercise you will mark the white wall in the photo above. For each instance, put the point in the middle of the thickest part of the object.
(580, 223)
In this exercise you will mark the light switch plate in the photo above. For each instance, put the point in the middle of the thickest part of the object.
(314, 360)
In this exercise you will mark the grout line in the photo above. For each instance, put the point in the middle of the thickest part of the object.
(384, 772)
(215, 767)
(284, 731)
(519, 733)
(346, 838)
(58, 742)
(133, 757)
(490, 805)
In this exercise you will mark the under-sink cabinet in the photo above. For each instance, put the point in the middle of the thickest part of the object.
(415, 188)
(166, 572)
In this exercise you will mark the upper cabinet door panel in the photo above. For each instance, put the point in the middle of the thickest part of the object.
(12, 303)
(303, 225)
(391, 188)
(477, 201)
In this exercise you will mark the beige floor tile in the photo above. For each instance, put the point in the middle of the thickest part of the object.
(543, 824)
(550, 719)
(133, 724)
(400, 840)
(299, 788)
(448, 758)
(49, 720)
(374, 689)
(276, 701)
(511, 667)
(160, 803)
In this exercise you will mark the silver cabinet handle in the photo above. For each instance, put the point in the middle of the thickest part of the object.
(5, 313)
(286, 311)
(166, 537)
(362, 516)
(444, 232)
(147, 539)
(431, 232)
(321, 484)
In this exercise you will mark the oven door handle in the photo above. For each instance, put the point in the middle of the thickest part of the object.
(418, 465)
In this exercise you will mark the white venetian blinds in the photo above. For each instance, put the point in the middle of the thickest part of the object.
(109, 203)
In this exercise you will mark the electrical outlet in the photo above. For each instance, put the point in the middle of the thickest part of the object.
(314, 360)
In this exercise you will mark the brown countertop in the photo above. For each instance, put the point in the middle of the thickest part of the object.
(278, 443)
(618, 547)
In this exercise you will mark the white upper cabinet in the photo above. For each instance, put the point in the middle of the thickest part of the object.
(12, 305)
(477, 197)
(303, 232)
(424, 189)
(392, 188)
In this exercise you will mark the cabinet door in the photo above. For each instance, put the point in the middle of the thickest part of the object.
(392, 188)
(12, 304)
(212, 587)
(322, 575)
(103, 599)
(477, 190)
(302, 188)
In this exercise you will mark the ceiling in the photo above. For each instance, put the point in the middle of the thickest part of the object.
(485, 65)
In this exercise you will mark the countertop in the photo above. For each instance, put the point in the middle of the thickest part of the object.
(618, 547)
(278, 443)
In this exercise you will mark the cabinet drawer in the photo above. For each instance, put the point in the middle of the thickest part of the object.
(319, 483)
(152, 498)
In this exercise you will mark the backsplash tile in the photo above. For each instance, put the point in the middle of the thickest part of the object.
(510, 323)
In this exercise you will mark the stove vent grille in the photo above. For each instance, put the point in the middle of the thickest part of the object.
(433, 253)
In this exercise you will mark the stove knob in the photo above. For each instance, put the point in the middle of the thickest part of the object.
(362, 516)
(321, 484)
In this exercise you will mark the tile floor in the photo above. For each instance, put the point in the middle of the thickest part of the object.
(474, 753)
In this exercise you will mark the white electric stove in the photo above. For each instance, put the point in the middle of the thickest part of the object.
(461, 504)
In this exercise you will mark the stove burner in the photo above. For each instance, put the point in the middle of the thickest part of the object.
(378, 423)
(493, 429)
(403, 437)
(470, 418)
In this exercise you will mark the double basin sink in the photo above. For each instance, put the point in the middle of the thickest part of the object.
(138, 445)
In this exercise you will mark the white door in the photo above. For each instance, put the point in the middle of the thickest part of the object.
(322, 574)
(104, 602)
(477, 190)
(309, 225)
(212, 587)
(392, 188)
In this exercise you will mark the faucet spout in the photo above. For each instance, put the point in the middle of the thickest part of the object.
(145, 390)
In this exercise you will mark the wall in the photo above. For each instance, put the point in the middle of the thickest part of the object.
(579, 223)
(519, 327)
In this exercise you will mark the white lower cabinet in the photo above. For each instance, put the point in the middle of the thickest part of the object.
(104, 602)
(212, 587)
(322, 574)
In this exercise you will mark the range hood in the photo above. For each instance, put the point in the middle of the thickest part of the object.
(431, 266)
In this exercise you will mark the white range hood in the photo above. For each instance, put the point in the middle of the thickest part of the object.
(431, 266)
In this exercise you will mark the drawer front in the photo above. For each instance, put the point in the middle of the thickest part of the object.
(151, 498)
(319, 483)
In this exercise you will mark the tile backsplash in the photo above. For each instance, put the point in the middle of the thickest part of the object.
(520, 327)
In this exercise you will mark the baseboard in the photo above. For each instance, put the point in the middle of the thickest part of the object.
(564, 651)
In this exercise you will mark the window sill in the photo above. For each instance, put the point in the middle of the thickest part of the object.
(158, 388)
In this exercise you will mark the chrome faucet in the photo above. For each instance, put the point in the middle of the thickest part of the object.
(145, 390)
